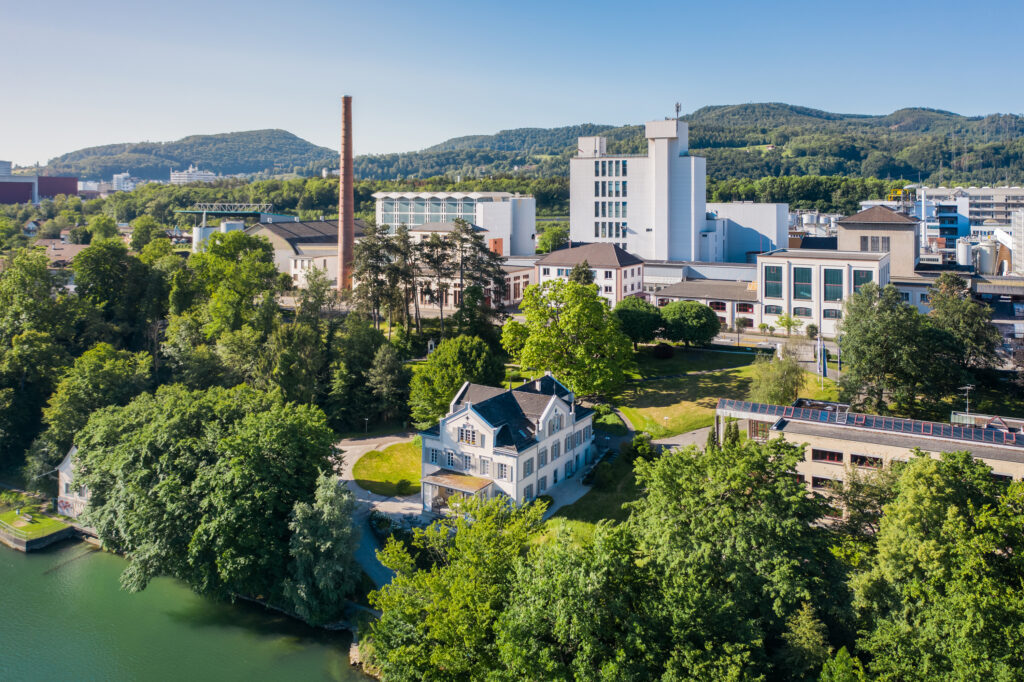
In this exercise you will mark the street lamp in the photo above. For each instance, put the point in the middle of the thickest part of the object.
(967, 394)
(366, 425)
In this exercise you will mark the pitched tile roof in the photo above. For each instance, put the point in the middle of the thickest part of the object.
(878, 215)
(307, 232)
(596, 255)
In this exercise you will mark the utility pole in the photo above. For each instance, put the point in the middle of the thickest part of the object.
(679, 108)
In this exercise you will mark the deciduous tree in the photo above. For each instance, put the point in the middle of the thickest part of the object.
(574, 335)
(693, 323)
(454, 362)
(639, 319)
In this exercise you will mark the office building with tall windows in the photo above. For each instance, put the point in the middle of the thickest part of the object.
(811, 285)
(509, 219)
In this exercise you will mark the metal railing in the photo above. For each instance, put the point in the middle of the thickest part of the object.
(16, 532)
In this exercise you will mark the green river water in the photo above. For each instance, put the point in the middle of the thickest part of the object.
(64, 616)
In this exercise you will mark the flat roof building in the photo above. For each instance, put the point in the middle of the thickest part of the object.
(509, 219)
(838, 441)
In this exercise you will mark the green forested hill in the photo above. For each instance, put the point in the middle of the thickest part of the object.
(252, 151)
(757, 140)
(739, 141)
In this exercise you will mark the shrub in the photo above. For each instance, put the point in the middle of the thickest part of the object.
(663, 351)
(812, 331)
(547, 500)
(604, 476)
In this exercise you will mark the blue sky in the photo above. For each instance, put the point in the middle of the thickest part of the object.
(78, 74)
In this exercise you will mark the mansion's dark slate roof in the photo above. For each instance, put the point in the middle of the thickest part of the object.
(514, 413)
(596, 255)
(878, 215)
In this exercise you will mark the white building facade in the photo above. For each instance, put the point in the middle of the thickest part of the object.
(750, 229)
(507, 217)
(652, 205)
(71, 497)
(811, 285)
(193, 174)
(616, 273)
(518, 443)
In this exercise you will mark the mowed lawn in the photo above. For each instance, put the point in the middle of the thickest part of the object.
(395, 470)
(38, 527)
(667, 407)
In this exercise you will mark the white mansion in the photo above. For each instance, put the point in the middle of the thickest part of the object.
(516, 442)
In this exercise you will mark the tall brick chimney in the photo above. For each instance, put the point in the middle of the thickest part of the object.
(346, 199)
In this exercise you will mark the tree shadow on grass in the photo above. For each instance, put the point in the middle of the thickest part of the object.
(703, 390)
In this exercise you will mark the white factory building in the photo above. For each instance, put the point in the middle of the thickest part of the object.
(653, 205)
(509, 219)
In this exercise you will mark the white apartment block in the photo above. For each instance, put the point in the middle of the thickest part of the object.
(122, 182)
(652, 205)
(811, 285)
(193, 174)
(509, 219)
(519, 443)
(616, 273)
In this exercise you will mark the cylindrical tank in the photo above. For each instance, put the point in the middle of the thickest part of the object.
(986, 258)
(963, 252)
(810, 219)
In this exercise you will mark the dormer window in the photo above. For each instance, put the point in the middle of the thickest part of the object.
(467, 434)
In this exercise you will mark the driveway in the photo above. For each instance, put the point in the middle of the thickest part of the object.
(698, 437)
(366, 501)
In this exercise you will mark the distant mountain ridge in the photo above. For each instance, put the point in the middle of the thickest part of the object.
(741, 140)
(253, 151)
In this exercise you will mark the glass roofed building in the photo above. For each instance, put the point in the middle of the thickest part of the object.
(507, 217)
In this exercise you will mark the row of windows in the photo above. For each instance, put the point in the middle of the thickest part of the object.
(827, 313)
(874, 244)
(905, 295)
(803, 285)
(612, 167)
(616, 230)
(831, 457)
(610, 188)
(453, 460)
(610, 209)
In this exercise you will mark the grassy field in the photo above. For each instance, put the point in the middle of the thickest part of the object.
(666, 407)
(395, 470)
(38, 527)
